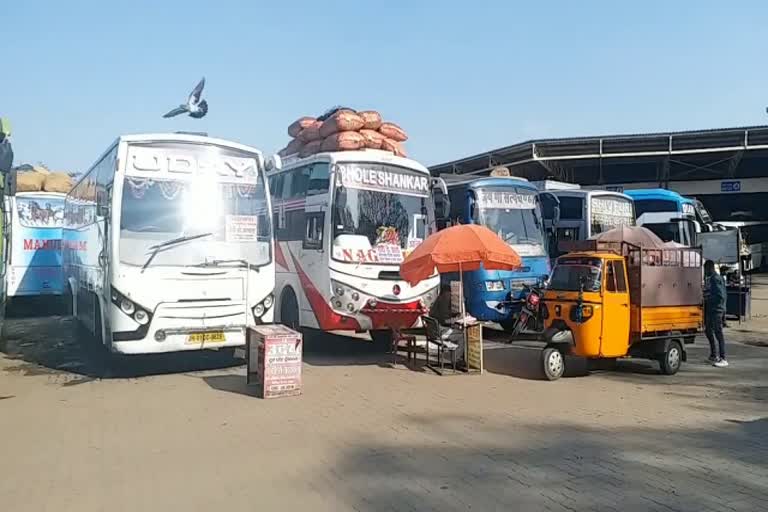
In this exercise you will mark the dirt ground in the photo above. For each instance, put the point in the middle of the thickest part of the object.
(183, 432)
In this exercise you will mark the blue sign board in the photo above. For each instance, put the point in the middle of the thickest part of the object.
(730, 186)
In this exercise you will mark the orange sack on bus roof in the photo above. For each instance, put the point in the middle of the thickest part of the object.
(394, 132)
(341, 121)
(372, 138)
(311, 148)
(371, 119)
(343, 141)
(299, 125)
(311, 132)
(393, 146)
(292, 148)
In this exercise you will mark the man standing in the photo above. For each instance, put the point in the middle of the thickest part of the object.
(714, 313)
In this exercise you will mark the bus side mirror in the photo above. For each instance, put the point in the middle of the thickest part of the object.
(556, 216)
(441, 200)
(341, 198)
(275, 163)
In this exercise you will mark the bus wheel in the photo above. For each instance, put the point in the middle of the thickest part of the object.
(670, 361)
(289, 310)
(382, 338)
(554, 363)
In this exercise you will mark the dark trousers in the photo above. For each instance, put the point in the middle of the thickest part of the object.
(714, 331)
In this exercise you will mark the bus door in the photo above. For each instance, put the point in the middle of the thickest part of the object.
(312, 183)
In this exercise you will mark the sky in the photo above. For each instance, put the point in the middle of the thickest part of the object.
(459, 77)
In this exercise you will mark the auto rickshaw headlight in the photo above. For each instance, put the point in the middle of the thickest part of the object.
(587, 312)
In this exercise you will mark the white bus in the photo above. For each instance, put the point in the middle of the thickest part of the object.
(344, 221)
(168, 244)
(34, 267)
(578, 214)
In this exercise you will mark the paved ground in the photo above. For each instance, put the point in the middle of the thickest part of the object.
(366, 436)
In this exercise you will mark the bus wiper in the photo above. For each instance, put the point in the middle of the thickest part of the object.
(156, 248)
(217, 263)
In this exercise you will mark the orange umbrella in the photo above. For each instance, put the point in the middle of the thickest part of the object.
(456, 249)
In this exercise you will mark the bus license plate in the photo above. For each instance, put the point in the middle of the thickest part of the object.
(206, 337)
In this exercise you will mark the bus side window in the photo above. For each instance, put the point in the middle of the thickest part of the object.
(300, 181)
(319, 179)
(313, 237)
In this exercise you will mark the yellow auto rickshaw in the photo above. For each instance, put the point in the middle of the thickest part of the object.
(607, 300)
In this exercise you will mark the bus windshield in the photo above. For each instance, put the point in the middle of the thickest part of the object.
(570, 274)
(380, 213)
(609, 212)
(514, 216)
(155, 211)
(680, 231)
(40, 211)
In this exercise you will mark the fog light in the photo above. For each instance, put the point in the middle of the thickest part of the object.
(337, 304)
(141, 316)
(127, 306)
(160, 335)
(350, 307)
(259, 309)
(355, 296)
(268, 301)
(372, 302)
(339, 291)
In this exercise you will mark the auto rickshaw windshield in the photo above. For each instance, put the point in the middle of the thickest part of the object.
(572, 273)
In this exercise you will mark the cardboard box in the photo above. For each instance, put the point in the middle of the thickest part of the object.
(274, 360)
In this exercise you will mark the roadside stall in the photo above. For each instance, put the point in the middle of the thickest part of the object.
(459, 249)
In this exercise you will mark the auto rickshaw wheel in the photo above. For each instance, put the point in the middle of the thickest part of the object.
(554, 363)
(671, 360)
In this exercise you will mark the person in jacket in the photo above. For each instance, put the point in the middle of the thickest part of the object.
(714, 313)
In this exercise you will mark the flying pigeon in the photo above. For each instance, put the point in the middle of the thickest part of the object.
(195, 106)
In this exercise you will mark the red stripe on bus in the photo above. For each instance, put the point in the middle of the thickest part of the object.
(327, 318)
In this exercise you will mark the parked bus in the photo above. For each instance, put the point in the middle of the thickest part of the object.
(668, 214)
(36, 220)
(509, 207)
(344, 221)
(168, 244)
(579, 214)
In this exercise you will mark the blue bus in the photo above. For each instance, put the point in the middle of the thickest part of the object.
(668, 214)
(510, 208)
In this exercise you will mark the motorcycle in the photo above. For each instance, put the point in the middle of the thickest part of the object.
(530, 310)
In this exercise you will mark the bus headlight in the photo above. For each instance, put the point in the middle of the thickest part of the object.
(262, 307)
(127, 306)
(494, 286)
(141, 317)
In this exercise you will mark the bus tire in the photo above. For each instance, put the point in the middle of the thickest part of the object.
(289, 309)
(671, 360)
(553, 362)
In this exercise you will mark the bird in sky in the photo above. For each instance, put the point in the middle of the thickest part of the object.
(195, 106)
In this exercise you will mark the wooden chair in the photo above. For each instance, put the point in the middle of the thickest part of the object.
(435, 337)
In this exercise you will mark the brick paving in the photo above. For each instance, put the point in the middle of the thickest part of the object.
(365, 436)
